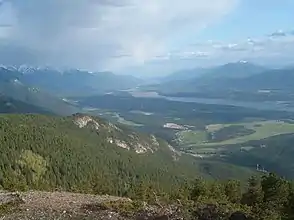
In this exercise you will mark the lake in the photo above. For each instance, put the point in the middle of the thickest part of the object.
(256, 105)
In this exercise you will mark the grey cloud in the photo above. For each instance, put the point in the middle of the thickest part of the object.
(58, 31)
(14, 55)
(98, 34)
(279, 33)
(118, 34)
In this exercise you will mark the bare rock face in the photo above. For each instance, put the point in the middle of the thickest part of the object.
(67, 206)
(84, 120)
(10, 198)
(131, 142)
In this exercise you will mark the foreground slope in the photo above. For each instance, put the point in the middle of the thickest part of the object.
(267, 198)
(88, 154)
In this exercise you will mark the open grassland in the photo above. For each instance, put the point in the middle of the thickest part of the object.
(263, 129)
(191, 137)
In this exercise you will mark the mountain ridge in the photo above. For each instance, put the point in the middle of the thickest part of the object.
(222, 79)
(11, 85)
(231, 70)
(68, 82)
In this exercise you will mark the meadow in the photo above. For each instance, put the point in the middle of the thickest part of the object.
(200, 140)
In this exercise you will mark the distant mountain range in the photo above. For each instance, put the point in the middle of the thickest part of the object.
(277, 79)
(77, 82)
(12, 87)
(240, 76)
(46, 88)
(240, 69)
(72, 81)
(184, 75)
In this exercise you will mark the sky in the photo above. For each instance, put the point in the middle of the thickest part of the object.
(151, 37)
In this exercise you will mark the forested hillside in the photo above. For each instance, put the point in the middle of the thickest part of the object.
(88, 154)
(274, 154)
(267, 198)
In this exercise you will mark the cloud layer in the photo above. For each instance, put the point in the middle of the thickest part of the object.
(100, 34)
(126, 35)
(276, 49)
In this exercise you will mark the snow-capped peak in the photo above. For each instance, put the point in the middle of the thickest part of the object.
(28, 69)
(31, 69)
(12, 68)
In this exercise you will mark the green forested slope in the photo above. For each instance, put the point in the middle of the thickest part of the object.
(49, 153)
(274, 154)
(45, 152)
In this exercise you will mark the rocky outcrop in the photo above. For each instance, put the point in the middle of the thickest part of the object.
(10, 198)
(63, 205)
(122, 144)
(84, 120)
(128, 140)
(136, 146)
(154, 140)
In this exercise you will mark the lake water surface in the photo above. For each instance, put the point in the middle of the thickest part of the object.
(269, 105)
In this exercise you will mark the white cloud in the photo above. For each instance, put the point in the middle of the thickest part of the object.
(265, 50)
(95, 33)
(276, 43)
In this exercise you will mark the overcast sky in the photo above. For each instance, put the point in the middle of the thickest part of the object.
(145, 36)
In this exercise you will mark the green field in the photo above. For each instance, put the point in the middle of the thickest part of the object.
(191, 137)
(263, 129)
